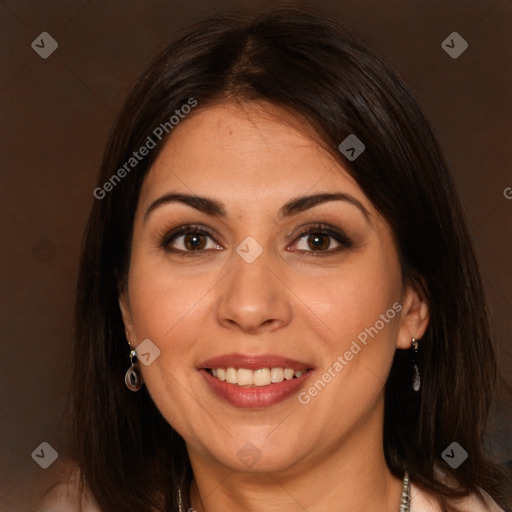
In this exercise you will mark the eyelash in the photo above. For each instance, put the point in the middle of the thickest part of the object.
(324, 229)
(318, 229)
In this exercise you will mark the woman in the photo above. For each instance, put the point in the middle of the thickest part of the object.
(279, 307)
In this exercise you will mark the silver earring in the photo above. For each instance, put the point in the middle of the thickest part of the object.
(133, 377)
(416, 378)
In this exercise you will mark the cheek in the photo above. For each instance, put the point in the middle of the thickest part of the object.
(165, 308)
(161, 300)
(355, 296)
(359, 307)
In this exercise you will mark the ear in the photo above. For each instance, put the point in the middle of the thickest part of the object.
(414, 317)
(124, 306)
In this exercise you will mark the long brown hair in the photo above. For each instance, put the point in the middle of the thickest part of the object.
(129, 457)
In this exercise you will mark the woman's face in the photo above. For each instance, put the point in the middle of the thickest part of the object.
(283, 264)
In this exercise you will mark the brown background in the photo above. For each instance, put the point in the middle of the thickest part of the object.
(55, 116)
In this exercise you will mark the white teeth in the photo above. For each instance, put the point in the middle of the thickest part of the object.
(260, 377)
(231, 376)
(277, 375)
(244, 377)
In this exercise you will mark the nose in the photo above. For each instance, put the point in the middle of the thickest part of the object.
(254, 298)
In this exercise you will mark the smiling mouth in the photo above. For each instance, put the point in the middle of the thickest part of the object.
(245, 377)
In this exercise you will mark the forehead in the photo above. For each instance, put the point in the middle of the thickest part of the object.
(245, 151)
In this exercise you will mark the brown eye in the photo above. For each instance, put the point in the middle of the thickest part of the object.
(194, 241)
(323, 240)
(318, 241)
(189, 240)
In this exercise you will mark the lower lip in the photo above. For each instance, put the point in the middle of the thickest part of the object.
(256, 397)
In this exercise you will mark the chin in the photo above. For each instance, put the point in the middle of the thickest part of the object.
(248, 454)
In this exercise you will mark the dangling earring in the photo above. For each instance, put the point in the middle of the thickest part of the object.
(416, 379)
(133, 377)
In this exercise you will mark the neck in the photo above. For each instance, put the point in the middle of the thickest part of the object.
(352, 475)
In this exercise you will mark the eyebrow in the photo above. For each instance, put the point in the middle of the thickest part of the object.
(210, 207)
(300, 204)
(215, 208)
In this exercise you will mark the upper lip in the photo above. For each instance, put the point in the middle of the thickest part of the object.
(254, 362)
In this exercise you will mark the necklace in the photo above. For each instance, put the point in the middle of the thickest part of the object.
(405, 500)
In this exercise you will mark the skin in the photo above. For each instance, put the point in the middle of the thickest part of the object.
(323, 456)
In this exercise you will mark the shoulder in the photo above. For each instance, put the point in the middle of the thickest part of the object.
(64, 496)
(421, 501)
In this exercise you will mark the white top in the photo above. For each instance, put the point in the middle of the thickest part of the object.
(63, 498)
(421, 502)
